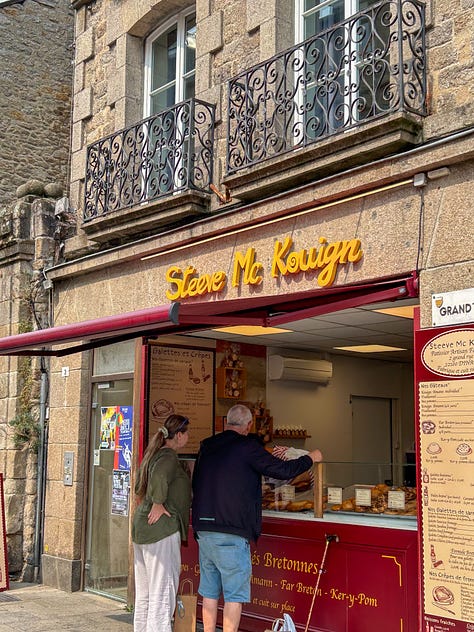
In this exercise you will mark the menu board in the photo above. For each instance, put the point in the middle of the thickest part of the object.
(3, 542)
(182, 381)
(446, 432)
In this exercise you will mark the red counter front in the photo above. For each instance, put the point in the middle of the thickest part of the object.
(369, 583)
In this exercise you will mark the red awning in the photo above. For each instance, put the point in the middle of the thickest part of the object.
(98, 332)
(185, 317)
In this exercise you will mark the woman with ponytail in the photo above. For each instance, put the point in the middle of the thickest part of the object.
(160, 522)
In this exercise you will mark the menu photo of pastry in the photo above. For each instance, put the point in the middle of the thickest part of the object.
(434, 448)
(428, 427)
(161, 409)
(443, 597)
(464, 449)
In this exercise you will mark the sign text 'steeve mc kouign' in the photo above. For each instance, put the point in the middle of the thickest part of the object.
(325, 258)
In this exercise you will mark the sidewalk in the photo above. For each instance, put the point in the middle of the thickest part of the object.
(37, 608)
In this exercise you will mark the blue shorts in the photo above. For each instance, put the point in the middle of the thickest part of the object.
(225, 566)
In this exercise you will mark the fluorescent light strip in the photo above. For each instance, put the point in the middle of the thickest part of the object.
(370, 349)
(402, 312)
(269, 222)
(253, 330)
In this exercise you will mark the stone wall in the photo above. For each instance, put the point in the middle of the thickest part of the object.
(35, 98)
(27, 246)
(109, 64)
(231, 35)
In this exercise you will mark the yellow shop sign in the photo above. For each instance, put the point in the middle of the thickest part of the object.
(325, 258)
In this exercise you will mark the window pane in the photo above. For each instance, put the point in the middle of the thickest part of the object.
(190, 44)
(323, 19)
(189, 87)
(164, 59)
(162, 100)
(115, 358)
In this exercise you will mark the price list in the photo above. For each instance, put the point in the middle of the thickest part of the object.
(447, 444)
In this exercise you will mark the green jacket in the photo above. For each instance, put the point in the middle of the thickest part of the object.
(168, 484)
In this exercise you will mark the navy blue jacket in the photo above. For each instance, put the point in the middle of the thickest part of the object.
(227, 483)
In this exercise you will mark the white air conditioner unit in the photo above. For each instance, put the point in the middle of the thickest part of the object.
(301, 369)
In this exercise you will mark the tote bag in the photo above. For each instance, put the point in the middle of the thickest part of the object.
(186, 604)
(283, 625)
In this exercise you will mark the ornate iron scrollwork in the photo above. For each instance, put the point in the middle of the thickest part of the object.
(161, 155)
(363, 68)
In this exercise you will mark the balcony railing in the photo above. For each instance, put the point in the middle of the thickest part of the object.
(368, 66)
(164, 154)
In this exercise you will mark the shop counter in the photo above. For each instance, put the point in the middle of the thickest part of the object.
(368, 581)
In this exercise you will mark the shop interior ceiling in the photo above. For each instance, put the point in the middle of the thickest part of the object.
(358, 326)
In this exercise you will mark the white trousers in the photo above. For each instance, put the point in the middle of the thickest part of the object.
(157, 568)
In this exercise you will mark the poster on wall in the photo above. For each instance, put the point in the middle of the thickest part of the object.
(116, 433)
(120, 492)
(108, 424)
(123, 437)
(181, 381)
(4, 585)
(445, 412)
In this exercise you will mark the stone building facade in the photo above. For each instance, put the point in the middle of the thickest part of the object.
(35, 106)
(399, 180)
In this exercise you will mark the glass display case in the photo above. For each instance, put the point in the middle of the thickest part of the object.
(344, 488)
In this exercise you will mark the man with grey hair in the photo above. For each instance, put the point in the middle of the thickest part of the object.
(227, 512)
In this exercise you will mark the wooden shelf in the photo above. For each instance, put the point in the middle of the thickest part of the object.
(230, 382)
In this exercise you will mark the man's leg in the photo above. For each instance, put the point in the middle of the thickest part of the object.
(231, 618)
(209, 614)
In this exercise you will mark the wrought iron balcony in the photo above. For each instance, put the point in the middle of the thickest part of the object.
(366, 67)
(164, 154)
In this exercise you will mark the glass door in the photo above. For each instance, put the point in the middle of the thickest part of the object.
(106, 569)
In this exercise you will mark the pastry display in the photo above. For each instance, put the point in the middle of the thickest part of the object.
(300, 505)
(379, 502)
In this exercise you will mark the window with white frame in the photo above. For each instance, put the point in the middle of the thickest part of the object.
(170, 60)
(345, 65)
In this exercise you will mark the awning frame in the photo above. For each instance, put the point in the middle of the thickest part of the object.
(195, 316)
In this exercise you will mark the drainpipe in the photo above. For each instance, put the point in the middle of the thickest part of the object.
(41, 476)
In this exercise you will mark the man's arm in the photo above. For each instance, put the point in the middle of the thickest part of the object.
(269, 465)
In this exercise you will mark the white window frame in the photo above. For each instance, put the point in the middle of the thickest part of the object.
(180, 76)
(351, 7)
(180, 21)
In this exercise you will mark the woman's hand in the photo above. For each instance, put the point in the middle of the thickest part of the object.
(156, 511)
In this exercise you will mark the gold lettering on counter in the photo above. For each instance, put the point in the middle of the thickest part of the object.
(287, 564)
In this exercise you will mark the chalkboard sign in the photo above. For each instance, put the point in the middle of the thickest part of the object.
(3, 542)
